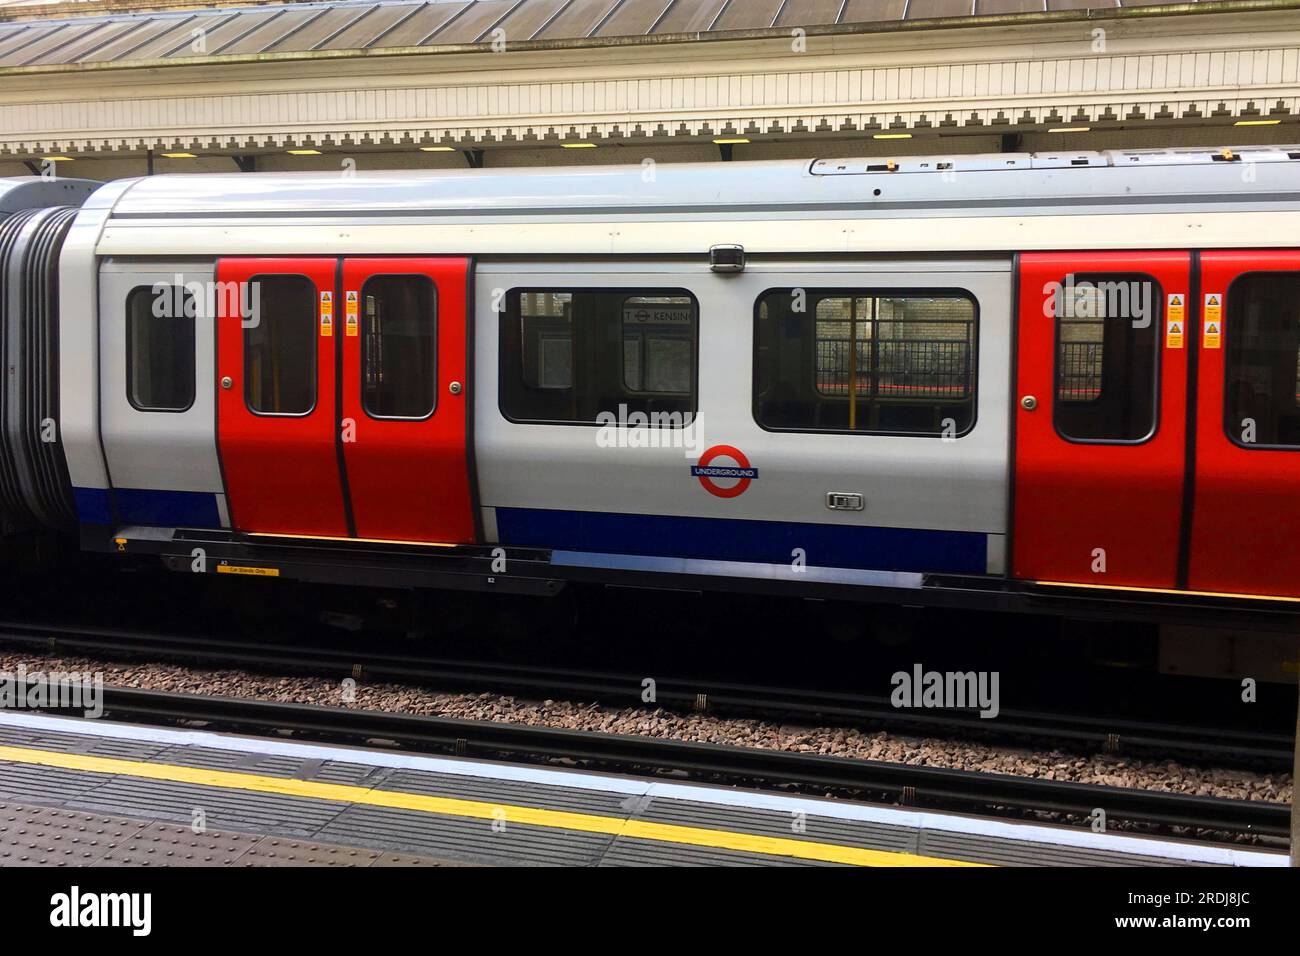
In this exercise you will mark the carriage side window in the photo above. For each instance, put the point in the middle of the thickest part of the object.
(876, 362)
(160, 348)
(658, 344)
(1107, 349)
(1262, 375)
(398, 346)
(546, 325)
(573, 355)
(280, 347)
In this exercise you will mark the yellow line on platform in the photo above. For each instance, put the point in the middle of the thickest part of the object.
(475, 809)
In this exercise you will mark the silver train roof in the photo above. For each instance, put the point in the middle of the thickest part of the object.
(1015, 182)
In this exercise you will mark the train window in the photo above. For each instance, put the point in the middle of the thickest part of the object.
(1262, 379)
(571, 355)
(280, 347)
(399, 331)
(658, 342)
(160, 348)
(546, 324)
(1107, 349)
(880, 362)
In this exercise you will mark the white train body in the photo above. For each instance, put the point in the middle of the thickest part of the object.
(871, 504)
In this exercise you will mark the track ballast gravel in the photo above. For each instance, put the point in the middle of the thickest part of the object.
(1095, 768)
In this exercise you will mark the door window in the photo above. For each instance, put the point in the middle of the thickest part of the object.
(1107, 350)
(399, 334)
(1262, 373)
(280, 346)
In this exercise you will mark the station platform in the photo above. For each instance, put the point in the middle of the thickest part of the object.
(90, 792)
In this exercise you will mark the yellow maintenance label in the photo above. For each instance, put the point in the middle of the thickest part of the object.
(327, 313)
(351, 307)
(1213, 337)
(1175, 320)
(257, 572)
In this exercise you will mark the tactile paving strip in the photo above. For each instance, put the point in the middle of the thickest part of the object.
(165, 844)
(49, 836)
(52, 836)
(273, 851)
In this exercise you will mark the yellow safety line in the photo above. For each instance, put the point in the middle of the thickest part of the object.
(450, 806)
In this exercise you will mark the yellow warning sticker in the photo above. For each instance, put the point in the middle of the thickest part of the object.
(1213, 337)
(350, 307)
(1175, 320)
(326, 314)
(257, 572)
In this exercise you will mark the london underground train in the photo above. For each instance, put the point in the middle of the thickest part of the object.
(996, 379)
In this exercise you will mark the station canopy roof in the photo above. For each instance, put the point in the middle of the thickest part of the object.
(57, 33)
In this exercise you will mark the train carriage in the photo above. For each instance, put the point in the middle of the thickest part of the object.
(984, 379)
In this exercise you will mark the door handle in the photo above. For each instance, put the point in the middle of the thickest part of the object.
(227, 381)
(455, 388)
(1029, 403)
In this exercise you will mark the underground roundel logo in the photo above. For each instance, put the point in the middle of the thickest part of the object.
(709, 473)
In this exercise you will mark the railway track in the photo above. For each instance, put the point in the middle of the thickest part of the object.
(624, 690)
(911, 785)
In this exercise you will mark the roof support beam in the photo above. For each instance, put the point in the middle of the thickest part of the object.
(246, 164)
(474, 157)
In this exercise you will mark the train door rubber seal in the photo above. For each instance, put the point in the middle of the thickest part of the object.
(471, 396)
(338, 406)
(1183, 574)
(1008, 569)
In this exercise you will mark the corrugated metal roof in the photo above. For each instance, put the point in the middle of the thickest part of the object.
(367, 25)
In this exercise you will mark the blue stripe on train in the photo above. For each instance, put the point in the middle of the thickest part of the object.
(92, 505)
(144, 506)
(729, 539)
